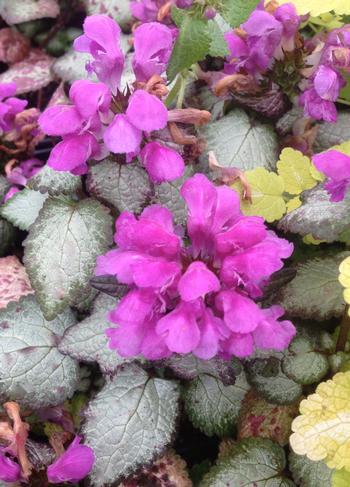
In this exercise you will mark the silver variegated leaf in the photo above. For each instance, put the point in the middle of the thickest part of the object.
(22, 209)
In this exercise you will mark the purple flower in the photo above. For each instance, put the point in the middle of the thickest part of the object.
(197, 296)
(9, 106)
(336, 167)
(75, 464)
(316, 107)
(101, 39)
(79, 125)
(20, 174)
(10, 471)
(153, 45)
(327, 83)
(162, 163)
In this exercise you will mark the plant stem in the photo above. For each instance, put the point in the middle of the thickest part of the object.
(343, 331)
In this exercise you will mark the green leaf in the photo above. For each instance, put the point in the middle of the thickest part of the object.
(236, 12)
(218, 44)
(125, 187)
(23, 208)
(87, 341)
(61, 250)
(33, 371)
(341, 478)
(47, 180)
(307, 473)
(239, 142)
(252, 462)
(266, 375)
(129, 422)
(192, 45)
(315, 292)
(212, 407)
(303, 364)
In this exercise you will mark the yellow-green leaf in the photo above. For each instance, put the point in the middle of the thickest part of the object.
(295, 169)
(341, 478)
(293, 204)
(322, 431)
(317, 7)
(267, 189)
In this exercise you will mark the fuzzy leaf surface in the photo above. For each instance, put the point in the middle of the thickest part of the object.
(130, 420)
(33, 371)
(18, 11)
(307, 473)
(47, 180)
(23, 208)
(61, 250)
(237, 12)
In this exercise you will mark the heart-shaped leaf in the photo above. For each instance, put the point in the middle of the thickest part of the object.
(307, 473)
(47, 180)
(33, 371)
(130, 420)
(61, 250)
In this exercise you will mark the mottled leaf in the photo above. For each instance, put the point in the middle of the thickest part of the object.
(315, 292)
(87, 342)
(125, 187)
(267, 377)
(168, 194)
(119, 10)
(329, 134)
(47, 180)
(18, 11)
(307, 473)
(324, 219)
(31, 74)
(71, 66)
(303, 364)
(285, 124)
(213, 407)
(22, 209)
(259, 418)
(130, 420)
(254, 462)
(32, 370)
(190, 367)
(14, 282)
(61, 250)
(239, 142)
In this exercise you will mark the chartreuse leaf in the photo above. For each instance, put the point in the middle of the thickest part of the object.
(344, 278)
(252, 462)
(23, 208)
(61, 250)
(315, 292)
(297, 171)
(341, 478)
(322, 431)
(213, 407)
(237, 12)
(307, 473)
(33, 371)
(267, 190)
(192, 45)
(131, 420)
(317, 7)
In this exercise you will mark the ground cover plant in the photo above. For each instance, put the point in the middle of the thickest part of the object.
(174, 243)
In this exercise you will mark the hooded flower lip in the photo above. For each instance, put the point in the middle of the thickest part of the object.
(74, 465)
(335, 165)
(195, 295)
(10, 471)
(101, 39)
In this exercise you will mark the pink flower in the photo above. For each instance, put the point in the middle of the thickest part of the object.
(316, 107)
(162, 163)
(336, 167)
(10, 471)
(101, 39)
(9, 106)
(74, 465)
(153, 44)
(197, 295)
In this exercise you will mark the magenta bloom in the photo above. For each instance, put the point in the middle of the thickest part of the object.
(146, 10)
(316, 107)
(74, 465)
(101, 39)
(336, 167)
(78, 124)
(10, 471)
(153, 44)
(9, 106)
(20, 174)
(162, 163)
(198, 296)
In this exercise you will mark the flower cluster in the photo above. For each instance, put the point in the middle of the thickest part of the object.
(324, 74)
(335, 165)
(195, 293)
(262, 39)
(100, 120)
